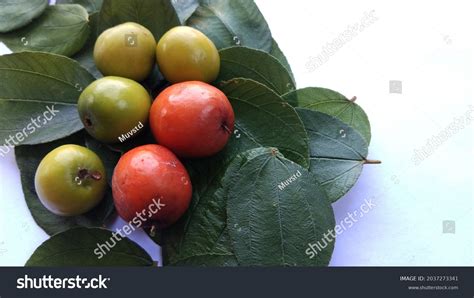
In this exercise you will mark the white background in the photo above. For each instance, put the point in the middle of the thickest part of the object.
(427, 45)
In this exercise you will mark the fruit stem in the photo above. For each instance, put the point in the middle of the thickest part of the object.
(372, 162)
(96, 175)
(353, 99)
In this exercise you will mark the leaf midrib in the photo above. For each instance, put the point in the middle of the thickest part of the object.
(251, 201)
(340, 174)
(337, 141)
(37, 101)
(37, 74)
(226, 26)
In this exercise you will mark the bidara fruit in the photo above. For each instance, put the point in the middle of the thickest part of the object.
(126, 50)
(192, 119)
(151, 185)
(114, 109)
(186, 54)
(70, 180)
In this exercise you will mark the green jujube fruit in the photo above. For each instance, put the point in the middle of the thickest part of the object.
(114, 109)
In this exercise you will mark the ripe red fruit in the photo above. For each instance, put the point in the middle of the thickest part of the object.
(192, 119)
(148, 175)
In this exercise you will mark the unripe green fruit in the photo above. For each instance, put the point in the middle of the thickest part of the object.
(186, 54)
(70, 180)
(114, 109)
(126, 50)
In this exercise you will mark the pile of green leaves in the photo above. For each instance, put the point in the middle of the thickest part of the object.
(246, 208)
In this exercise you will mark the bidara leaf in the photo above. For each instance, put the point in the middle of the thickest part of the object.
(332, 103)
(85, 56)
(38, 97)
(61, 29)
(79, 247)
(337, 152)
(280, 56)
(18, 13)
(211, 260)
(243, 62)
(92, 6)
(264, 119)
(158, 16)
(200, 237)
(28, 158)
(185, 8)
(108, 156)
(275, 209)
(232, 22)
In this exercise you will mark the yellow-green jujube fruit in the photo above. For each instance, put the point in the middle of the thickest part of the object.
(186, 54)
(126, 50)
(70, 180)
(114, 109)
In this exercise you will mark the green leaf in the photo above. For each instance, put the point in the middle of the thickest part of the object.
(332, 103)
(18, 13)
(61, 29)
(211, 247)
(264, 119)
(243, 62)
(200, 237)
(337, 152)
(280, 56)
(28, 158)
(109, 157)
(232, 22)
(185, 8)
(34, 86)
(157, 15)
(211, 260)
(79, 248)
(85, 56)
(275, 209)
(91, 6)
